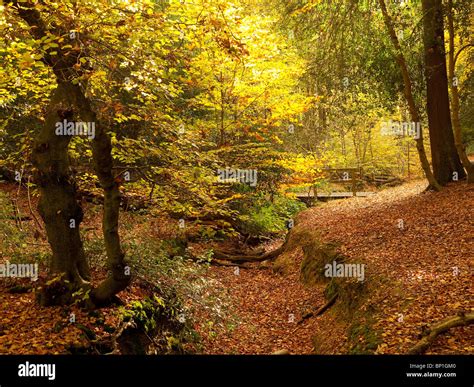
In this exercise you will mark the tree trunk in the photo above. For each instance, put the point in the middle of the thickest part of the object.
(407, 91)
(455, 105)
(445, 159)
(120, 275)
(58, 204)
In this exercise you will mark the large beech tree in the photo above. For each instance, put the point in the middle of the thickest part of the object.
(59, 205)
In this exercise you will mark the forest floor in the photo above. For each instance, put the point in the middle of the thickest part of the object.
(426, 268)
(422, 271)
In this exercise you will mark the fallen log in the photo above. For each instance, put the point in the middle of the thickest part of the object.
(248, 258)
(243, 258)
(127, 202)
(461, 319)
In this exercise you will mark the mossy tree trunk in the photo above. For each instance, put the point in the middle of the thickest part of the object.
(119, 277)
(58, 204)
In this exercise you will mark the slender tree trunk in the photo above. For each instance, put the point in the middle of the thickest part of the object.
(408, 161)
(343, 145)
(455, 105)
(222, 112)
(407, 91)
(446, 163)
(120, 275)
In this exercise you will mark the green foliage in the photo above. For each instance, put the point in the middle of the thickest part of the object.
(146, 313)
(180, 287)
(181, 284)
(159, 93)
(259, 215)
(81, 296)
(161, 318)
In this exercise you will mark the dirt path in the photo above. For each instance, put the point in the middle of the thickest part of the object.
(268, 307)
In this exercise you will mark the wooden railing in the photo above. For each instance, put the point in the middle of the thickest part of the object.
(349, 176)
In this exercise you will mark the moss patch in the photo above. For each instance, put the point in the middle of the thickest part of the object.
(363, 339)
(316, 256)
(351, 293)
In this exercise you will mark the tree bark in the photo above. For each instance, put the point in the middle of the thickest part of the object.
(408, 93)
(455, 105)
(58, 204)
(445, 159)
(120, 275)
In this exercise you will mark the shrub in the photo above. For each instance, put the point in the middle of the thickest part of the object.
(260, 215)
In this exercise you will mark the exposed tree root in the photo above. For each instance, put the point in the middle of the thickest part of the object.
(436, 329)
(243, 258)
(221, 255)
(320, 311)
(216, 262)
(222, 258)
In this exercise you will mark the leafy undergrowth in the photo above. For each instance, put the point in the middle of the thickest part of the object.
(416, 274)
(168, 302)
